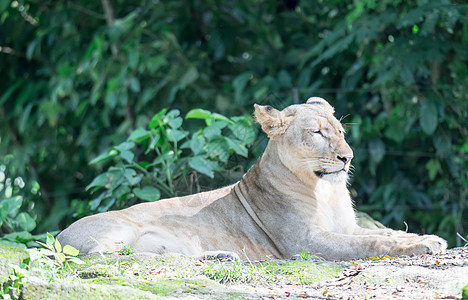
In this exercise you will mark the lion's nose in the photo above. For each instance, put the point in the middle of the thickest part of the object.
(345, 159)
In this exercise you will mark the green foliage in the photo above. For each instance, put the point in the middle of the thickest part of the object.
(17, 225)
(465, 292)
(158, 158)
(126, 250)
(78, 77)
(307, 255)
(53, 248)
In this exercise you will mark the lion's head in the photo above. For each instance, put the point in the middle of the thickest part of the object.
(309, 139)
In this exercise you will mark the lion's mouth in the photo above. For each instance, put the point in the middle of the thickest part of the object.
(320, 174)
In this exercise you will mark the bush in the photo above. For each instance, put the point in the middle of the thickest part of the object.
(158, 159)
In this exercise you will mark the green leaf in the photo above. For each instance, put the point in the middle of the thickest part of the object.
(125, 146)
(57, 246)
(433, 167)
(173, 119)
(127, 156)
(104, 156)
(21, 237)
(69, 250)
(428, 117)
(156, 120)
(153, 143)
(196, 144)
(219, 117)
(132, 177)
(147, 193)
(25, 221)
(139, 135)
(98, 181)
(10, 206)
(237, 147)
(198, 113)
(214, 130)
(218, 147)
(47, 252)
(175, 135)
(243, 129)
(190, 76)
(50, 241)
(60, 257)
(202, 165)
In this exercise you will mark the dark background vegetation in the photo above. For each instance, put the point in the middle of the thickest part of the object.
(79, 77)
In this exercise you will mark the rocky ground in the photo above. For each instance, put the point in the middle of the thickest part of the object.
(117, 276)
(418, 277)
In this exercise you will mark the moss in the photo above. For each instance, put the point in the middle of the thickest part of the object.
(10, 255)
(304, 272)
(39, 290)
(165, 287)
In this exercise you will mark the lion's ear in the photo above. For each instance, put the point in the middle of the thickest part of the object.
(273, 122)
(322, 102)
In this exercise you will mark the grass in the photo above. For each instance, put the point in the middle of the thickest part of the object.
(272, 272)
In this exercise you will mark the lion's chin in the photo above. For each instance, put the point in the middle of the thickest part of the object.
(338, 176)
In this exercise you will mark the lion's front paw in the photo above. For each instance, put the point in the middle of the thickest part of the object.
(220, 255)
(426, 244)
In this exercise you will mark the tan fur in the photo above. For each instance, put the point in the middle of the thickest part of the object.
(293, 199)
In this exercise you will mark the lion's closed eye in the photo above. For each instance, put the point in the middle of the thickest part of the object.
(315, 131)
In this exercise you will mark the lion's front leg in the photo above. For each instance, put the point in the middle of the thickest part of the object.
(410, 243)
(345, 247)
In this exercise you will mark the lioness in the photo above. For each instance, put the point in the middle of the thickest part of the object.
(294, 198)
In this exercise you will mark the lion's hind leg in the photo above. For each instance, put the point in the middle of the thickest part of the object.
(98, 234)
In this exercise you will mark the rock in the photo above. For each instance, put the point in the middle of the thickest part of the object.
(112, 276)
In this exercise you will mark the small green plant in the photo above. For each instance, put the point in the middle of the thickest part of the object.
(307, 255)
(49, 262)
(158, 159)
(465, 292)
(126, 250)
(61, 256)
